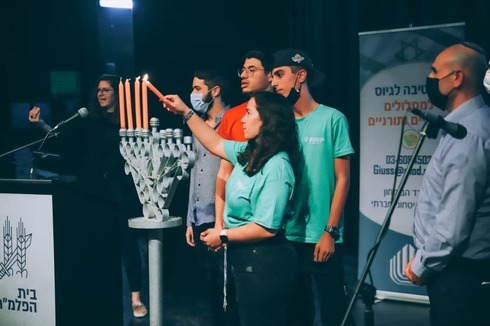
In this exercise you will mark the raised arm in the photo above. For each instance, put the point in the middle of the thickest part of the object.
(224, 172)
(209, 138)
(35, 118)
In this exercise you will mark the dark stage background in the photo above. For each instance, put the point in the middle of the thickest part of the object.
(169, 39)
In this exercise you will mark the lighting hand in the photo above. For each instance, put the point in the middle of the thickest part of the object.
(175, 104)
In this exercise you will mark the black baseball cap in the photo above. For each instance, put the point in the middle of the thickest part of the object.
(298, 58)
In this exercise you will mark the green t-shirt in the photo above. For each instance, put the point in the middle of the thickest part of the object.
(324, 136)
(262, 198)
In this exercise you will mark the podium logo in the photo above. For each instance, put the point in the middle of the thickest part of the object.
(14, 258)
(398, 263)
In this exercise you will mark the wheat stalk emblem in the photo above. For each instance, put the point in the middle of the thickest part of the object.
(17, 255)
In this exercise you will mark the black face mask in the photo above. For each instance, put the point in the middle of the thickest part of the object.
(293, 96)
(435, 95)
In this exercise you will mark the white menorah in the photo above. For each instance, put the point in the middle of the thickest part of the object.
(157, 161)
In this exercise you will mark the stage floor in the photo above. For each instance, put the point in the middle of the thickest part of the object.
(184, 305)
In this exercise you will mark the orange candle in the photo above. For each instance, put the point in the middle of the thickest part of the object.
(144, 98)
(155, 91)
(137, 102)
(122, 114)
(128, 105)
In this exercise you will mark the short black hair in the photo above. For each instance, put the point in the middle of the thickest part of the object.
(215, 77)
(266, 58)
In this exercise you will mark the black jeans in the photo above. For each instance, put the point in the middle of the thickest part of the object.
(456, 295)
(322, 281)
(264, 276)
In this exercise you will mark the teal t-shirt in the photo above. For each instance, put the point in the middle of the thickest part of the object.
(324, 136)
(262, 198)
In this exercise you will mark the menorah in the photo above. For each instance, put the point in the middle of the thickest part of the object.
(157, 161)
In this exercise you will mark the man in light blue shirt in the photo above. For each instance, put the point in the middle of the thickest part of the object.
(452, 217)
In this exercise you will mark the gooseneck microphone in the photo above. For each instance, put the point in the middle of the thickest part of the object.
(82, 113)
(454, 129)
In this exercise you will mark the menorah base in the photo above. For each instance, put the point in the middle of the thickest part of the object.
(154, 223)
(155, 265)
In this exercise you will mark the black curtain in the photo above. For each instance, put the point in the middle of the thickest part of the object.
(172, 38)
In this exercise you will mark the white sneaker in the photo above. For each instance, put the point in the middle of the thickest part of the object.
(139, 310)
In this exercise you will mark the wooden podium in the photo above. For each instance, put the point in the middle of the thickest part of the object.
(61, 261)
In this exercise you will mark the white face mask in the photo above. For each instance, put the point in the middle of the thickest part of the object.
(198, 104)
(486, 81)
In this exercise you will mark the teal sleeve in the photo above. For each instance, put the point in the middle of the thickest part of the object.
(233, 149)
(341, 142)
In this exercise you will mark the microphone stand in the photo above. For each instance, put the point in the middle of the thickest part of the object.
(369, 320)
(50, 135)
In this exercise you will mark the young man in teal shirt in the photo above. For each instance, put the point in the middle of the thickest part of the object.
(316, 228)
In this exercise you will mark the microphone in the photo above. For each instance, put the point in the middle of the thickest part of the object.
(82, 113)
(454, 129)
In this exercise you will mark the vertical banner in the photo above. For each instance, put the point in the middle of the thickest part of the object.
(393, 67)
(27, 280)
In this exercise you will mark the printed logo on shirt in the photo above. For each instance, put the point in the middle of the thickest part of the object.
(313, 140)
(239, 185)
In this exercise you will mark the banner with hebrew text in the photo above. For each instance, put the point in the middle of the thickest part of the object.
(27, 275)
(394, 65)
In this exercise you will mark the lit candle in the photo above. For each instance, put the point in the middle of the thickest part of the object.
(122, 115)
(144, 98)
(128, 105)
(137, 102)
(155, 91)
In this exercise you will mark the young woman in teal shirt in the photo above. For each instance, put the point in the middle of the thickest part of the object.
(258, 194)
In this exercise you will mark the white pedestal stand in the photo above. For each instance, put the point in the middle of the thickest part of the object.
(157, 162)
(155, 265)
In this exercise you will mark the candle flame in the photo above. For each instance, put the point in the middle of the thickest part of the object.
(138, 78)
(145, 77)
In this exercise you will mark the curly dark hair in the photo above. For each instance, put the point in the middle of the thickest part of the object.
(265, 57)
(95, 110)
(278, 134)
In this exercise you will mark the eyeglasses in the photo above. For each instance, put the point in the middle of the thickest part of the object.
(104, 90)
(249, 71)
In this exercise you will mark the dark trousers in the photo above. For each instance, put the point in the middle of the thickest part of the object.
(457, 296)
(131, 255)
(264, 275)
(212, 277)
(321, 281)
(128, 206)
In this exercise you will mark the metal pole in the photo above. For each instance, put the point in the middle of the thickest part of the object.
(55, 134)
(384, 228)
(155, 270)
(155, 264)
